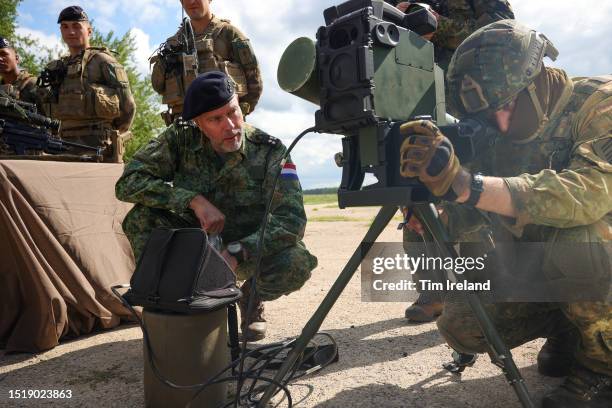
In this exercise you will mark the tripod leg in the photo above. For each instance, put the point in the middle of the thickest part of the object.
(384, 216)
(499, 352)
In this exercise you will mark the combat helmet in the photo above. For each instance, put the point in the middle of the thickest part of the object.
(494, 64)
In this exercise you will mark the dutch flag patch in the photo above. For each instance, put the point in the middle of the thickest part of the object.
(288, 172)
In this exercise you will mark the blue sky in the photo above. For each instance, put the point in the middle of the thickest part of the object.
(580, 30)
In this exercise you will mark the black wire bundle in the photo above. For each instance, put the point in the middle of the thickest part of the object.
(265, 358)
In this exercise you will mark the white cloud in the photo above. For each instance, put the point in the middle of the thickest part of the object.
(51, 41)
(143, 50)
(580, 31)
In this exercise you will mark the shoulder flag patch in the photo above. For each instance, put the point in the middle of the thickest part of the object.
(288, 172)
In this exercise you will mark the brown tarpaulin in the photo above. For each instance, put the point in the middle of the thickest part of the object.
(61, 249)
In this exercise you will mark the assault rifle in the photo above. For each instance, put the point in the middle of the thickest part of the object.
(23, 130)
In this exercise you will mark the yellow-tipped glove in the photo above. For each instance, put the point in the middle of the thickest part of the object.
(427, 154)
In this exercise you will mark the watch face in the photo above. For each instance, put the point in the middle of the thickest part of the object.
(234, 247)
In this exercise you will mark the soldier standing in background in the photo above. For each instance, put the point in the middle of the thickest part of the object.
(457, 19)
(14, 81)
(88, 90)
(204, 43)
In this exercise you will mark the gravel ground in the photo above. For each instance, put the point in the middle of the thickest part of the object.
(384, 361)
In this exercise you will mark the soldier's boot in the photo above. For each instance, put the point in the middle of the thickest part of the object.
(556, 357)
(256, 329)
(582, 388)
(426, 308)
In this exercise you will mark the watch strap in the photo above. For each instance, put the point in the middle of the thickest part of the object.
(476, 189)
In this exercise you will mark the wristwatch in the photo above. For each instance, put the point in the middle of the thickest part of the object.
(236, 250)
(476, 188)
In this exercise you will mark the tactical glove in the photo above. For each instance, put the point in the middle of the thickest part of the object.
(427, 154)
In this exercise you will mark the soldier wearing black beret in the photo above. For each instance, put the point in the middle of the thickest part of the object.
(72, 13)
(88, 90)
(216, 172)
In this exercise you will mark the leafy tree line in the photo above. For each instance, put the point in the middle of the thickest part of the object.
(34, 56)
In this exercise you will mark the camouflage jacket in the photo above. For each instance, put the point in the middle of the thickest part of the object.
(24, 87)
(220, 47)
(563, 177)
(180, 164)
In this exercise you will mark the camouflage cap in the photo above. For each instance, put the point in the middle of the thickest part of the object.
(72, 13)
(494, 64)
(4, 43)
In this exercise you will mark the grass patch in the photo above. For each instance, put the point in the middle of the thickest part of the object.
(320, 199)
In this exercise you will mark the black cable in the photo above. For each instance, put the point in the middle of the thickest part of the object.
(264, 355)
(253, 280)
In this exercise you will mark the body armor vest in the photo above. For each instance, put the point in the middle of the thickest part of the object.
(213, 54)
(77, 101)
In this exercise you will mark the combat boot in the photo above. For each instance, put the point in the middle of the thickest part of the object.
(582, 388)
(256, 329)
(426, 308)
(556, 357)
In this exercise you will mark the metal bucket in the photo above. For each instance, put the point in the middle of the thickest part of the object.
(187, 350)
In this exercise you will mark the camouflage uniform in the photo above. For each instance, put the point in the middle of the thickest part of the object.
(221, 47)
(172, 169)
(460, 18)
(457, 20)
(560, 180)
(92, 99)
(463, 17)
(23, 89)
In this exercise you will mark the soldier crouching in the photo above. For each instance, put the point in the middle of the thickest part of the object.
(218, 175)
(548, 180)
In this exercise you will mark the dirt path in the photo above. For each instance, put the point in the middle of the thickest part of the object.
(384, 361)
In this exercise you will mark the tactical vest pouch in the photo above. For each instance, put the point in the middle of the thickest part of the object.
(179, 271)
(206, 55)
(173, 94)
(72, 105)
(158, 76)
(235, 72)
(105, 102)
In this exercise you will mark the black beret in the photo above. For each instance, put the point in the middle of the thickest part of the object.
(209, 91)
(4, 43)
(72, 13)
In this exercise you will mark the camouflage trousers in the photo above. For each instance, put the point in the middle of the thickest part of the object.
(519, 323)
(281, 273)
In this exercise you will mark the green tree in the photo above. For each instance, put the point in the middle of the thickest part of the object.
(8, 16)
(147, 122)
